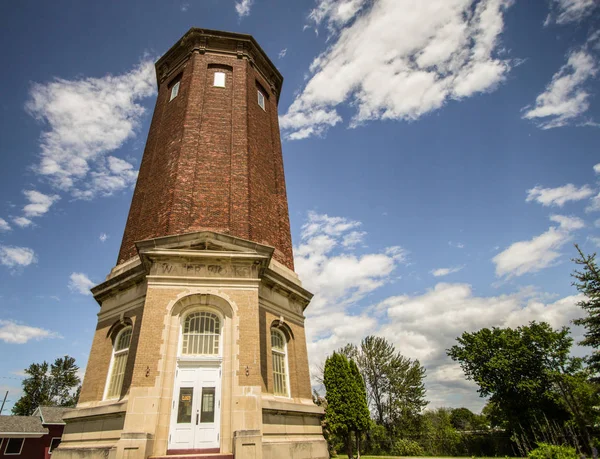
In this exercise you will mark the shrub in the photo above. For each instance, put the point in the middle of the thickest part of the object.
(403, 447)
(547, 451)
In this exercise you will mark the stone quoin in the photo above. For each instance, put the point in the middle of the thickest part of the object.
(200, 346)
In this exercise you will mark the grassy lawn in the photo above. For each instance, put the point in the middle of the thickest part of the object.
(343, 456)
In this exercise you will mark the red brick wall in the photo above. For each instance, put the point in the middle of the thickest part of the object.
(212, 161)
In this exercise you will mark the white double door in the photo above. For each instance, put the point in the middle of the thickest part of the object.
(196, 408)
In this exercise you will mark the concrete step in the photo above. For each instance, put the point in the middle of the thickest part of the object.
(194, 456)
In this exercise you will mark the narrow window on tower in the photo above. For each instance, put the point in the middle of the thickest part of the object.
(261, 100)
(219, 80)
(280, 363)
(174, 90)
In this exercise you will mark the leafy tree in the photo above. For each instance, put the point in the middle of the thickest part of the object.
(438, 435)
(465, 419)
(517, 369)
(587, 281)
(394, 383)
(49, 385)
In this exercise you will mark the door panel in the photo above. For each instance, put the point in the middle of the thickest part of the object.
(195, 417)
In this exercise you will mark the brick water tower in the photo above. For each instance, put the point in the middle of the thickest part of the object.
(200, 346)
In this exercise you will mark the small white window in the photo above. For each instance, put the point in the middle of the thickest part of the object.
(54, 444)
(280, 364)
(174, 91)
(219, 79)
(261, 100)
(116, 375)
(14, 446)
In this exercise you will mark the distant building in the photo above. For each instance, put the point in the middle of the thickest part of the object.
(200, 346)
(32, 437)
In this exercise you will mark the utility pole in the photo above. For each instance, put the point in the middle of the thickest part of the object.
(3, 402)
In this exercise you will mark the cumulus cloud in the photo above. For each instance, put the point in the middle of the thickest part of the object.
(85, 120)
(242, 7)
(16, 257)
(566, 11)
(424, 325)
(398, 59)
(80, 283)
(15, 333)
(22, 222)
(558, 196)
(566, 97)
(39, 203)
(103, 237)
(440, 272)
(539, 252)
(4, 226)
(339, 277)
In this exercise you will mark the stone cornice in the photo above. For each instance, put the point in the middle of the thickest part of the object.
(213, 41)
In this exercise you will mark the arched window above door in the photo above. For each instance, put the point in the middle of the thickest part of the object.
(201, 334)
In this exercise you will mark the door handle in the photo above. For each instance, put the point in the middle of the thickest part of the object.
(197, 416)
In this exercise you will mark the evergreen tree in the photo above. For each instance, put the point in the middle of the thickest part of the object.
(49, 385)
(347, 409)
(588, 283)
(360, 409)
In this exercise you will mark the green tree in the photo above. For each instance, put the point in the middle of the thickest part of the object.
(360, 409)
(49, 385)
(394, 383)
(346, 410)
(587, 281)
(517, 369)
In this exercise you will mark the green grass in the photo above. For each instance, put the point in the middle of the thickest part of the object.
(343, 456)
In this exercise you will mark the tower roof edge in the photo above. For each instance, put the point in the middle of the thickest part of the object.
(200, 40)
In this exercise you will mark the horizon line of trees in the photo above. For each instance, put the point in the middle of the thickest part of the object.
(538, 393)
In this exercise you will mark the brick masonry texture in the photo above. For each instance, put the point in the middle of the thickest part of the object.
(212, 160)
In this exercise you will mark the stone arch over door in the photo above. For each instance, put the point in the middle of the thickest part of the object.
(177, 310)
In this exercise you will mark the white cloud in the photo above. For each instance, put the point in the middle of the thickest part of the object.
(39, 203)
(565, 98)
(282, 53)
(539, 252)
(558, 196)
(15, 257)
(86, 119)
(570, 10)
(440, 272)
(242, 7)
(337, 13)
(398, 59)
(594, 205)
(184, 7)
(103, 237)
(22, 222)
(597, 168)
(4, 226)
(458, 245)
(80, 283)
(15, 333)
(339, 277)
(112, 175)
(423, 326)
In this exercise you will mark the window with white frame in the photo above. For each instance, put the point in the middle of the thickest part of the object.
(14, 446)
(201, 334)
(54, 444)
(118, 363)
(174, 90)
(219, 80)
(261, 100)
(280, 364)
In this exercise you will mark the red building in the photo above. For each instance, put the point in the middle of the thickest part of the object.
(32, 437)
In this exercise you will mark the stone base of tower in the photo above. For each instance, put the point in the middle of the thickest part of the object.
(221, 387)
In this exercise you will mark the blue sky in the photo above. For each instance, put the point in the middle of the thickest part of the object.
(441, 159)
